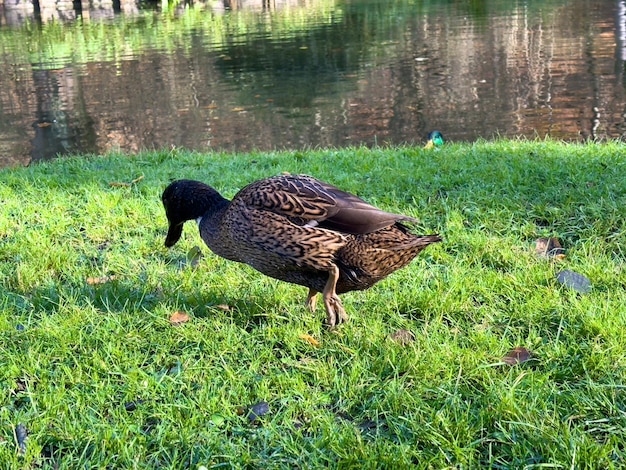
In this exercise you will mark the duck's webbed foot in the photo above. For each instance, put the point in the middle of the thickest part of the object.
(335, 313)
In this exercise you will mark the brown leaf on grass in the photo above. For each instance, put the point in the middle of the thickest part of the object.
(194, 255)
(104, 245)
(20, 385)
(258, 410)
(549, 248)
(575, 281)
(309, 339)
(179, 317)
(223, 307)
(403, 337)
(363, 426)
(367, 425)
(517, 355)
(131, 406)
(93, 281)
(21, 434)
(174, 369)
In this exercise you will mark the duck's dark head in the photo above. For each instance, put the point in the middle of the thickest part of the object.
(185, 200)
(435, 139)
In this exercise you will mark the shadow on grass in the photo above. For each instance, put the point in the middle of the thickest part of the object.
(124, 297)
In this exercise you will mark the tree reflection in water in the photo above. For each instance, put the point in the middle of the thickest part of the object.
(259, 74)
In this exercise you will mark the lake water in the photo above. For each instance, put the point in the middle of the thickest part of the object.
(291, 74)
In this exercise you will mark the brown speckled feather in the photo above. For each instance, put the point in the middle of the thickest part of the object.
(299, 230)
(304, 199)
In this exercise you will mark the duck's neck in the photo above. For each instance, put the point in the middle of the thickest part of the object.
(210, 226)
(212, 217)
(190, 200)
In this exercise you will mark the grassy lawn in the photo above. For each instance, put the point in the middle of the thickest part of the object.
(97, 375)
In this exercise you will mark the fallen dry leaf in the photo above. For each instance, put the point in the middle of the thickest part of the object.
(20, 385)
(403, 336)
(223, 307)
(367, 425)
(309, 339)
(549, 248)
(92, 281)
(194, 255)
(131, 406)
(575, 281)
(257, 410)
(217, 420)
(21, 434)
(174, 369)
(179, 317)
(517, 355)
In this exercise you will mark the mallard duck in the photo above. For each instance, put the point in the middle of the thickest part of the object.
(434, 139)
(298, 229)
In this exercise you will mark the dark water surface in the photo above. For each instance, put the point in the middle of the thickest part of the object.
(262, 74)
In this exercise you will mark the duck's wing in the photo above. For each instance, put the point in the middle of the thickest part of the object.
(308, 201)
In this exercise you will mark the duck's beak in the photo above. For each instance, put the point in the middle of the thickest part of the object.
(173, 234)
(430, 144)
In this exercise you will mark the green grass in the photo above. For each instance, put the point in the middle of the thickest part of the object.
(101, 379)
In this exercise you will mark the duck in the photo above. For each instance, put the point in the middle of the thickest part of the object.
(434, 139)
(298, 229)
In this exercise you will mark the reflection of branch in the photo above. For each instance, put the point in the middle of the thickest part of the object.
(231, 4)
